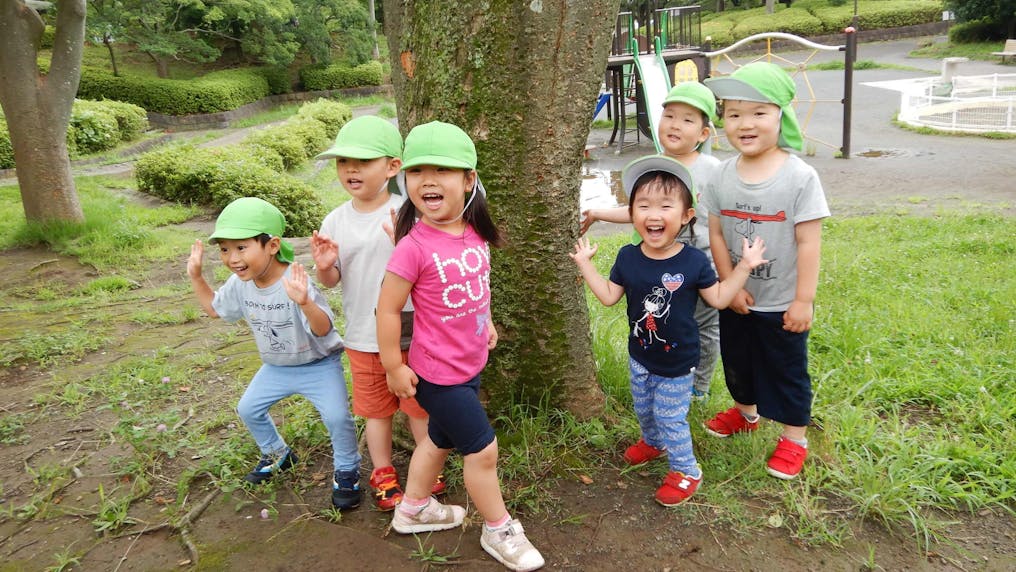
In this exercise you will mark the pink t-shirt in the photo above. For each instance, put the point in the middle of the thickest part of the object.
(451, 296)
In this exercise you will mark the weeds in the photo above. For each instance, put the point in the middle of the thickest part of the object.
(429, 554)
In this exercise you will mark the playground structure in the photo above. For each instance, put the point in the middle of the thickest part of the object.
(648, 58)
(951, 102)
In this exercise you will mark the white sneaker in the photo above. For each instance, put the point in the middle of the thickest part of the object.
(509, 546)
(434, 516)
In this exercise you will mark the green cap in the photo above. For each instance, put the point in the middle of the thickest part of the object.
(439, 144)
(248, 217)
(763, 82)
(366, 137)
(694, 94)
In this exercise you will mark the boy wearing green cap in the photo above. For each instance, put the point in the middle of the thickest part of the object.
(293, 328)
(685, 127)
(766, 192)
(353, 247)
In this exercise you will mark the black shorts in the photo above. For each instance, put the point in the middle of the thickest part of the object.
(457, 418)
(767, 366)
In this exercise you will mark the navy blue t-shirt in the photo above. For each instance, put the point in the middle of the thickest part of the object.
(661, 297)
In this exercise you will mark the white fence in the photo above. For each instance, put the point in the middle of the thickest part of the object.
(976, 104)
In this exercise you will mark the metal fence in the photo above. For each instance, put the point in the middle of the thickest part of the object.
(975, 104)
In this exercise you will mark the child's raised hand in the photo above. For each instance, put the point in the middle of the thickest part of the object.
(323, 250)
(587, 220)
(752, 254)
(389, 228)
(584, 251)
(197, 252)
(296, 284)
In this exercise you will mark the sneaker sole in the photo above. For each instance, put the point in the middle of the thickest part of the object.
(417, 528)
(493, 554)
(780, 475)
(668, 505)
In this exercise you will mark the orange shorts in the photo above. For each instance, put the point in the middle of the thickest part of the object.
(371, 397)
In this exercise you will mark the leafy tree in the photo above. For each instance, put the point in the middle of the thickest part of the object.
(259, 30)
(38, 106)
(324, 26)
(1000, 11)
(522, 79)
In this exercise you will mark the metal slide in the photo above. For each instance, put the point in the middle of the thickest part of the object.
(655, 78)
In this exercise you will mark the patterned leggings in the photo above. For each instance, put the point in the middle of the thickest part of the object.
(661, 405)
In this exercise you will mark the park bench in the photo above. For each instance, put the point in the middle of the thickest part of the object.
(1008, 51)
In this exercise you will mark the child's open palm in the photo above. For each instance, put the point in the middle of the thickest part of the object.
(197, 253)
(323, 250)
(584, 251)
(296, 284)
(752, 253)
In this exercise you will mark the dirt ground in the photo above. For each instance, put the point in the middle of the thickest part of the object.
(608, 524)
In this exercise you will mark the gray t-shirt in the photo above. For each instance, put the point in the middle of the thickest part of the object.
(702, 171)
(364, 250)
(769, 209)
(280, 328)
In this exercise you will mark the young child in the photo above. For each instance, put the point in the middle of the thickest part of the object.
(353, 247)
(661, 278)
(770, 193)
(294, 331)
(442, 260)
(685, 127)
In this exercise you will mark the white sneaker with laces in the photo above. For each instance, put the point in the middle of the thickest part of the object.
(509, 546)
(434, 516)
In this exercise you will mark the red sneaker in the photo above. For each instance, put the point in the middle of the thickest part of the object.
(641, 452)
(439, 486)
(787, 459)
(677, 487)
(386, 487)
(728, 422)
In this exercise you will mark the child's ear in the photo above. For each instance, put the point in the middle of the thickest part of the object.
(688, 215)
(394, 166)
(273, 245)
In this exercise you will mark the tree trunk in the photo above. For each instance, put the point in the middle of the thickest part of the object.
(522, 79)
(112, 56)
(38, 107)
(376, 51)
(770, 6)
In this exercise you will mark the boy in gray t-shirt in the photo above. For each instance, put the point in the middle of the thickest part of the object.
(766, 192)
(294, 329)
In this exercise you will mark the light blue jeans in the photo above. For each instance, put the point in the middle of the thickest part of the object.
(661, 405)
(323, 383)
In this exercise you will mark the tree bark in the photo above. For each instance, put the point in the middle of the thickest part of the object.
(112, 56)
(522, 79)
(38, 107)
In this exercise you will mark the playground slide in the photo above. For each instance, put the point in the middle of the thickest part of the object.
(652, 71)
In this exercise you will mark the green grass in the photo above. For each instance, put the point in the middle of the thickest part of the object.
(973, 50)
(272, 115)
(923, 130)
(858, 65)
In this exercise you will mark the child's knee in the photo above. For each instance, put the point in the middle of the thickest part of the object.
(485, 458)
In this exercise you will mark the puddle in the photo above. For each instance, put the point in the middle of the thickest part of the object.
(601, 189)
(883, 153)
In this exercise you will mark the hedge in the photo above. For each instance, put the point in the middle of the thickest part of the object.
(217, 176)
(330, 113)
(338, 76)
(94, 126)
(6, 149)
(214, 92)
(277, 78)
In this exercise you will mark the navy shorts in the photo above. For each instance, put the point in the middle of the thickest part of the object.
(767, 366)
(457, 418)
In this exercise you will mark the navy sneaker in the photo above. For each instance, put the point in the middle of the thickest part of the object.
(346, 491)
(269, 465)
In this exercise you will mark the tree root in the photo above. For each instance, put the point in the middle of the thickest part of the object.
(182, 526)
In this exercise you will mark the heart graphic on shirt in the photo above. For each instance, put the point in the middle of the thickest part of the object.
(672, 281)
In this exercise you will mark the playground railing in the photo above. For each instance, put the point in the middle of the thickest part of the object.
(679, 27)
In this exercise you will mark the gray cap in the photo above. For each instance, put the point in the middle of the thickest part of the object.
(651, 163)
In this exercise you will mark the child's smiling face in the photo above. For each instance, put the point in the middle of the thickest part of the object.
(439, 193)
(658, 215)
(249, 259)
(681, 129)
(753, 128)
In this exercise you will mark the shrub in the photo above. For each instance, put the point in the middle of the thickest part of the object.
(977, 31)
(46, 42)
(95, 129)
(338, 76)
(331, 113)
(277, 78)
(792, 21)
(310, 131)
(217, 91)
(286, 144)
(899, 13)
(131, 120)
(216, 176)
(6, 148)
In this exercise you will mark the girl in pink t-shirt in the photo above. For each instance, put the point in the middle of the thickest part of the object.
(442, 260)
